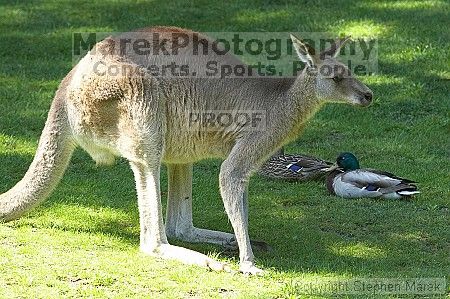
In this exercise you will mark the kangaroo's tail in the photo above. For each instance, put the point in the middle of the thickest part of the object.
(52, 157)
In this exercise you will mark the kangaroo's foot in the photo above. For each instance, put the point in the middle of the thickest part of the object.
(227, 240)
(250, 268)
(186, 256)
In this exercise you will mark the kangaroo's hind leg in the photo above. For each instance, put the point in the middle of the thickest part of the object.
(153, 238)
(179, 222)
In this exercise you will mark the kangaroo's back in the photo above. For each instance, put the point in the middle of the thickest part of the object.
(178, 81)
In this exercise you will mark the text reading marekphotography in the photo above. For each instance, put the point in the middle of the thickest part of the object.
(210, 54)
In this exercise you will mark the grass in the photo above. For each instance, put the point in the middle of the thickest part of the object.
(83, 241)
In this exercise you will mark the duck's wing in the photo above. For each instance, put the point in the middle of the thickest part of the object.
(348, 185)
(294, 167)
(378, 183)
(364, 177)
(391, 175)
(307, 165)
(300, 157)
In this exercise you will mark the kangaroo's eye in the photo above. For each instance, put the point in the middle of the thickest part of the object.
(337, 79)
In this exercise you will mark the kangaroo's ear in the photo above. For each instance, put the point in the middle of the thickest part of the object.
(304, 51)
(333, 51)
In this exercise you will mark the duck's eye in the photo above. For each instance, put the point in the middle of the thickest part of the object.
(337, 79)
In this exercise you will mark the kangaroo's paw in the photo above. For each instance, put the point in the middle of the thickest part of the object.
(186, 256)
(250, 269)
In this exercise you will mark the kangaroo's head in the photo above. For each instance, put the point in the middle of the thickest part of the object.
(333, 80)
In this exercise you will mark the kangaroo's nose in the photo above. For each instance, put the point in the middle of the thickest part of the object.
(368, 96)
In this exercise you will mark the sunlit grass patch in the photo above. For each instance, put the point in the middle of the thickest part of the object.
(364, 28)
(359, 250)
(15, 145)
(406, 5)
(261, 15)
(383, 80)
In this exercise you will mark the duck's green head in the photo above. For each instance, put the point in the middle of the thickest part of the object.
(347, 161)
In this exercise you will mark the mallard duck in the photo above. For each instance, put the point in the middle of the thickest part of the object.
(350, 181)
(294, 167)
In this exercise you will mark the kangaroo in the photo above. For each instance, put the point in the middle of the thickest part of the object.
(144, 119)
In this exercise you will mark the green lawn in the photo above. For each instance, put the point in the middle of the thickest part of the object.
(83, 241)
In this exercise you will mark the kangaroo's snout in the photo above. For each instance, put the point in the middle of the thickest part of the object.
(366, 100)
(362, 95)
